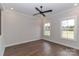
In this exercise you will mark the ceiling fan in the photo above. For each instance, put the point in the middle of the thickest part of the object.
(41, 12)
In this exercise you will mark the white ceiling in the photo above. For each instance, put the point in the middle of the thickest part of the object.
(29, 8)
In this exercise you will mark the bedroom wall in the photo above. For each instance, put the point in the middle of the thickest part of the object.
(20, 28)
(55, 21)
(2, 48)
(2, 43)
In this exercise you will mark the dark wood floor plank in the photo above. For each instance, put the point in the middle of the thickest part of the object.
(40, 48)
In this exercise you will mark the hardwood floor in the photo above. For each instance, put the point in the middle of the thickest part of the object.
(40, 48)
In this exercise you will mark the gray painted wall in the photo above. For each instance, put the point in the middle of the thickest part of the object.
(2, 43)
(20, 28)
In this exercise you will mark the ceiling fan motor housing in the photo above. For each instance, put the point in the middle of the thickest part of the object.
(41, 6)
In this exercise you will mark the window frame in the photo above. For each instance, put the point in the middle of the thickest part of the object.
(49, 29)
(75, 27)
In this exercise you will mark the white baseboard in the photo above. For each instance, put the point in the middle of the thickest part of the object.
(20, 42)
(62, 44)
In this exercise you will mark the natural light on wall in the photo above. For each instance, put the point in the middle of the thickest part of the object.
(46, 31)
(68, 27)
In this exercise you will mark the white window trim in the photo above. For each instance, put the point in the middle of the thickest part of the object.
(75, 29)
(43, 30)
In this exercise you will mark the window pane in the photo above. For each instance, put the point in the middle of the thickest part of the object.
(64, 34)
(68, 28)
(47, 29)
(70, 34)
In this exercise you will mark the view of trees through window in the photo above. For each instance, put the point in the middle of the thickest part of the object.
(68, 28)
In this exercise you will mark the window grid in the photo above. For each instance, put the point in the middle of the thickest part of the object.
(68, 28)
(46, 31)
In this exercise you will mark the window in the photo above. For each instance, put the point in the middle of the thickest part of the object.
(68, 27)
(46, 29)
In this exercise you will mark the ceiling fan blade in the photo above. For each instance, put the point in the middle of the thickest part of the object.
(47, 11)
(37, 9)
(42, 14)
(36, 14)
